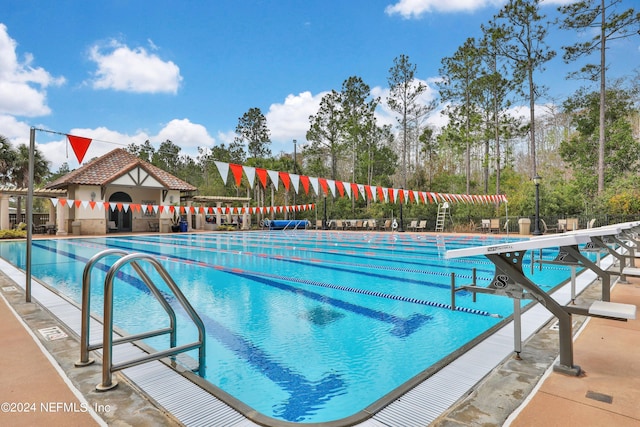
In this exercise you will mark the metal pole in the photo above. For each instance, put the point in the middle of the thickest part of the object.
(517, 327)
(536, 227)
(400, 227)
(295, 161)
(324, 221)
(474, 278)
(453, 291)
(32, 145)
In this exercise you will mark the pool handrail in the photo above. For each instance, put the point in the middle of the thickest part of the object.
(85, 346)
(108, 341)
(107, 355)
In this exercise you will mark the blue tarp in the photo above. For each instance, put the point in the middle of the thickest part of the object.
(289, 224)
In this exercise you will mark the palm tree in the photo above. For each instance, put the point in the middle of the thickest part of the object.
(20, 171)
(7, 160)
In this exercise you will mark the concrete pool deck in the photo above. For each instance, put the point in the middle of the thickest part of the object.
(606, 395)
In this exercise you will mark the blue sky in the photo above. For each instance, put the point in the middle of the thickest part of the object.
(124, 71)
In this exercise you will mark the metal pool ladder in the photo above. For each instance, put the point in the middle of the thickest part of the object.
(107, 337)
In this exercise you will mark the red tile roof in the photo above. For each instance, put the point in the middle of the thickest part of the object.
(113, 165)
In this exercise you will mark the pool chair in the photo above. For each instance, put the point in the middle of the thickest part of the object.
(494, 225)
(318, 224)
(387, 225)
(359, 225)
(572, 224)
(562, 226)
(485, 225)
(422, 225)
(371, 224)
(543, 227)
(413, 225)
(339, 225)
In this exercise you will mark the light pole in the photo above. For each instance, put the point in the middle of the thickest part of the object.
(324, 221)
(295, 161)
(400, 227)
(536, 227)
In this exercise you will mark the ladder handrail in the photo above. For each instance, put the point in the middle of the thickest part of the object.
(107, 338)
(85, 346)
(107, 355)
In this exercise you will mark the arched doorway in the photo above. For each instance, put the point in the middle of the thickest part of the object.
(121, 218)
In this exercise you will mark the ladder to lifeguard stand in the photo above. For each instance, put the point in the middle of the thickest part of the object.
(442, 215)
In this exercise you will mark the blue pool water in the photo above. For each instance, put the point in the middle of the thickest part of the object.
(301, 326)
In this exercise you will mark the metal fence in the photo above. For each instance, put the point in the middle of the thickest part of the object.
(38, 219)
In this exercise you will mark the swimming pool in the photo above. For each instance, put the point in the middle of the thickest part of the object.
(301, 326)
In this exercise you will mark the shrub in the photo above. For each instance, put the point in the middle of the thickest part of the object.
(13, 234)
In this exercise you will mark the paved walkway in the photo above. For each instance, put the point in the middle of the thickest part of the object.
(608, 393)
(33, 391)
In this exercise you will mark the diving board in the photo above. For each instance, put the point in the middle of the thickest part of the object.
(570, 256)
(509, 280)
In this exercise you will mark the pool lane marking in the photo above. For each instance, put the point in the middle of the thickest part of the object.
(304, 393)
(229, 241)
(319, 262)
(315, 262)
(254, 274)
(331, 249)
(395, 321)
(475, 261)
(395, 242)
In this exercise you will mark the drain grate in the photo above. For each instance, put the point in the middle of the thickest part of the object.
(600, 397)
(53, 333)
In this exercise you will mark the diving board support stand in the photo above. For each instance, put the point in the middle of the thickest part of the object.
(510, 281)
(509, 275)
(517, 327)
(571, 257)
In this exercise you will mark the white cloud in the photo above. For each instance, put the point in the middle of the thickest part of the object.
(290, 120)
(185, 134)
(133, 70)
(16, 132)
(104, 140)
(416, 8)
(556, 2)
(409, 9)
(22, 86)
(182, 132)
(385, 116)
(226, 137)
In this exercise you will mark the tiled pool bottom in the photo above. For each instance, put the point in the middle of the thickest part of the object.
(420, 406)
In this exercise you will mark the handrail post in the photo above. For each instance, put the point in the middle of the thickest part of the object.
(107, 362)
(474, 277)
(86, 304)
(453, 291)
(107, 335)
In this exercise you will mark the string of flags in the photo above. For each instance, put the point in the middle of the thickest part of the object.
(182, 210)
(322, 186)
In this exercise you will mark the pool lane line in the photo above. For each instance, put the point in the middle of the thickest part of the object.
(304, 393)
(344, 244)
(345, 251)
(320, 263)
(253, 274)
(475, 260)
